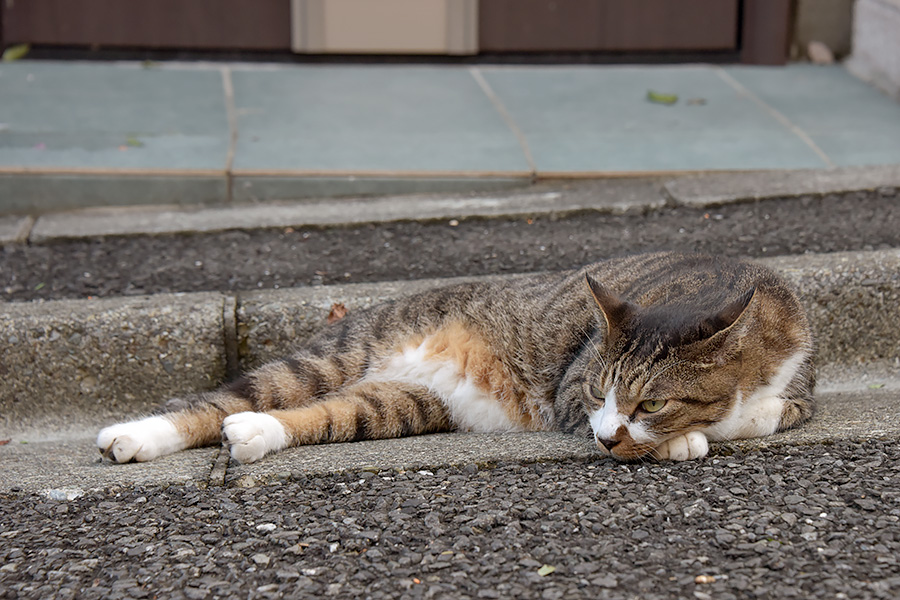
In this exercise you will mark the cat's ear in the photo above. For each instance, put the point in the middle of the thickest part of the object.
(614, 311)
(731, 314)
(723, 330)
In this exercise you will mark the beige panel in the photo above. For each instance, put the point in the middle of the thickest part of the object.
(462, 27)
(385, 26)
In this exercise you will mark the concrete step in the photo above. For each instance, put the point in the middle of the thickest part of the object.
(71, 363)
(554, 197)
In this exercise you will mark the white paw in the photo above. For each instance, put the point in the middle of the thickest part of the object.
(140, 440)
(689, 446)
(252, 435)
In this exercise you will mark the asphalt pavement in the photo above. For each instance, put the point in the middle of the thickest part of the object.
(816, 521)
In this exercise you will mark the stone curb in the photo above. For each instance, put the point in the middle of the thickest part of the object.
(15, 230)
(614, 196)
(71, 466)
(717, 189)
(72, 364)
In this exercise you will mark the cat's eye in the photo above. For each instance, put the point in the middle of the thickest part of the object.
(652, 406)
(597, 393)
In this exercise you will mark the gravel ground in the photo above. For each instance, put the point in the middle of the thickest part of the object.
(817, 521)
(242, 260)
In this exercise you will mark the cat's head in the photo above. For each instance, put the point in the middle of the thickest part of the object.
(661, 371)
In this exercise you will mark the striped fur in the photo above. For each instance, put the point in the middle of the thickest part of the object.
(718, 342)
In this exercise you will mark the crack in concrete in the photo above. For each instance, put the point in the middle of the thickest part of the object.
(219, 469)
(229, 336)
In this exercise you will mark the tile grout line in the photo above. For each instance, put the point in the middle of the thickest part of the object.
(507, 118)
(231, 114)
(776, 114)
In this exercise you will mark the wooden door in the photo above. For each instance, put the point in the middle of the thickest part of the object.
(756, 31)
(183, 24)
(608, 25)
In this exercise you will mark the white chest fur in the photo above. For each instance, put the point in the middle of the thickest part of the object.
(760, 412)
(471, 407)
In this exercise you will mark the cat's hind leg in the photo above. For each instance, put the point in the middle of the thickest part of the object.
(140, 440)
(197, 425)
(198, 422)
(365, 411)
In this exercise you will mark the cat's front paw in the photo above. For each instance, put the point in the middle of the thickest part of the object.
(252, 435)
(688, 446)
(139, 440)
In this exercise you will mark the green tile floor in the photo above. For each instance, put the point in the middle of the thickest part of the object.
(370, 119)
(107, 116)
(599, 120)
(241, 131)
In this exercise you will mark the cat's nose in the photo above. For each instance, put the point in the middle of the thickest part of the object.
(608, 444)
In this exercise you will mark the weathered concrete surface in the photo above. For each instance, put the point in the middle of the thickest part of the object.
(249, 187)
(612, 196)
(72, 465)
(716, 189)
(853, 303)
(96, 360)
(418, 452)
(615, 196)
(15, 229)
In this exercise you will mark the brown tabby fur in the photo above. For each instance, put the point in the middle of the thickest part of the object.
(688, 329)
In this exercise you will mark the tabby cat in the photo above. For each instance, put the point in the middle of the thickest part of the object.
(654, 354)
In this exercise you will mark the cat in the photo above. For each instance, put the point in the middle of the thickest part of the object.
(653, 355)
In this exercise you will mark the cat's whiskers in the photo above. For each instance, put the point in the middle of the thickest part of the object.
(646, 450)
(585, 331)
